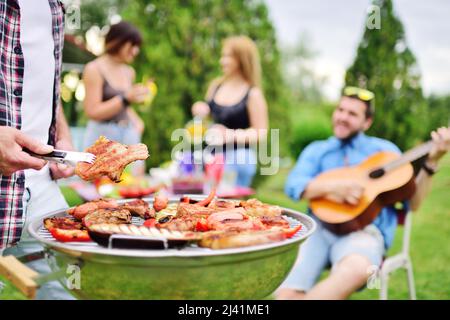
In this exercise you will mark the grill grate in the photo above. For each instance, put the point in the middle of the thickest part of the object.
(46, 235)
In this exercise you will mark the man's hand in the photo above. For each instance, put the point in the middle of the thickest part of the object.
(344, 191)
(12, 158)
(59, 170)
(441, 145)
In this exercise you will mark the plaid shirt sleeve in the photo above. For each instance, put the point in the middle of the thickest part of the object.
(11, 82)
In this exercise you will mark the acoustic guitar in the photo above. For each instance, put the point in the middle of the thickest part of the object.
(387, 178)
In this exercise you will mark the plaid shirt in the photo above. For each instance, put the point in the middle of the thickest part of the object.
(11, 84)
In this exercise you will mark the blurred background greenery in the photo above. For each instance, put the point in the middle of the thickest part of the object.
(181, 49)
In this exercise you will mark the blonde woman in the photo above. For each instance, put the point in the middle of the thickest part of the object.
(238, 107)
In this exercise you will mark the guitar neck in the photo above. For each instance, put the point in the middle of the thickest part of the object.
(410, 156)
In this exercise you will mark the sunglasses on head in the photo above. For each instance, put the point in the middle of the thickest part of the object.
(362, 94)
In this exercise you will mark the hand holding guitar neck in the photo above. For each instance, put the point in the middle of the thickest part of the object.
(385, 178)
(441, 145)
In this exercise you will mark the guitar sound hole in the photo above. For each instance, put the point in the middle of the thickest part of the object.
(378, 173)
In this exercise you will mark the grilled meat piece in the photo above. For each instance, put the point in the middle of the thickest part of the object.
(231, 214)
(111, 216)
(187, 209)
(111, 158)
(65, 223)
(179, 224)
(275, 221)
(139, 208)
(160, 202)
(233, 219)
(130, 229)
(256, 208)
(235, 239)
(219, 205)
(79, 212)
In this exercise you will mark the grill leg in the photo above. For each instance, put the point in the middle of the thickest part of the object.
(384, 286)
(411, 286)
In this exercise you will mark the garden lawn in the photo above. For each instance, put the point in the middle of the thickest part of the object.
(429, 243)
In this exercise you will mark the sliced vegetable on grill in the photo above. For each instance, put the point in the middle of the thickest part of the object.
(66, 229)
(65, 235)
(289, 233)
(150, 223)
(139, 237)
(202, 225)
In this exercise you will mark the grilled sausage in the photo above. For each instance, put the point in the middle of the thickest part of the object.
(234, 239)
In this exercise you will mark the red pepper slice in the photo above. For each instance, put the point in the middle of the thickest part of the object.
(208, 199)
(185, 200)
(150, 223)
(289, 233)
(64, 235)
(201, 225)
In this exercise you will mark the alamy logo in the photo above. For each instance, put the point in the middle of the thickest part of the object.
(73, 281)
(73, 17)
(373, 282)
(266, 147)
(374, 18)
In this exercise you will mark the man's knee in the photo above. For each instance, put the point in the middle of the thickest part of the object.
(289, 294)
(354, 267)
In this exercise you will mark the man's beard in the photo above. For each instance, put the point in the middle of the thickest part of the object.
(350, 136)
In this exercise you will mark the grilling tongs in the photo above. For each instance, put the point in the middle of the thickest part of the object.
(65, 157)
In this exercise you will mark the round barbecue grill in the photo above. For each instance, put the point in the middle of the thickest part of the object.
(190, 272)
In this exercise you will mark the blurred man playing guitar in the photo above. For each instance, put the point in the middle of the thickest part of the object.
(351, 254)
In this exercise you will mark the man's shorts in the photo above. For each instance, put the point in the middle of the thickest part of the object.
(325, 248)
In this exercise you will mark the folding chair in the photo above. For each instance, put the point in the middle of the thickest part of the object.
(400, 260)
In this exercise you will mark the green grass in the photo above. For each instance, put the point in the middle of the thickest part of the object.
(429, 249)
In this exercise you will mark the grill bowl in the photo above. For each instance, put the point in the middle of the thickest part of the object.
(251, 272)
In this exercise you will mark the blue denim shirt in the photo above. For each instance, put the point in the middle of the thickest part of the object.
(333, 153)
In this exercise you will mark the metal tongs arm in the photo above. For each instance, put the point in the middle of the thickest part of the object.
(64, 157)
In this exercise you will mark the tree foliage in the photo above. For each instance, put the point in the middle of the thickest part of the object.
(385, 65)
(298, 71)
(438, 112)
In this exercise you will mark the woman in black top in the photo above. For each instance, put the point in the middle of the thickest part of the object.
(109, 89)
(238, 107)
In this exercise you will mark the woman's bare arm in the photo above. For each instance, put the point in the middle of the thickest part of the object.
(95, 108)
(259, 119)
